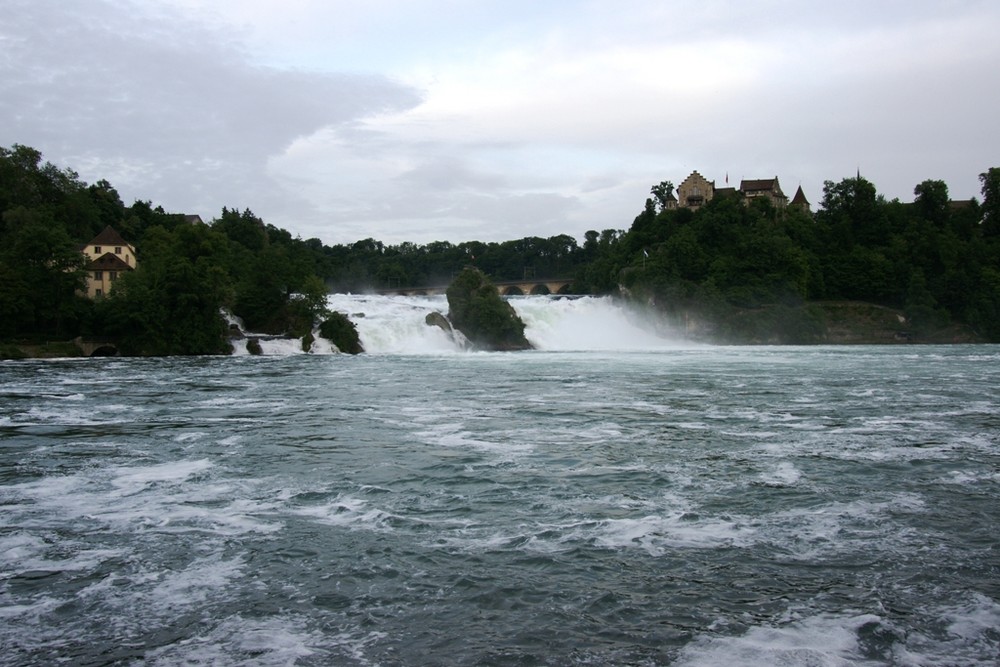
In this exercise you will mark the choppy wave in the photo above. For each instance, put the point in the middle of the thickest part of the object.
(667, 505)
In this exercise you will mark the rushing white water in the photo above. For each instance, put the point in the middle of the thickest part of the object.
(813, 506)
(396, 324)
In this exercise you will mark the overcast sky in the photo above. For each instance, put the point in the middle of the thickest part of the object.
(458, 120)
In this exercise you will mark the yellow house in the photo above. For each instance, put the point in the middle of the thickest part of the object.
(108, 257)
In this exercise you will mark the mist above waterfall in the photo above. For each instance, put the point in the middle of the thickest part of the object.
(396, 324)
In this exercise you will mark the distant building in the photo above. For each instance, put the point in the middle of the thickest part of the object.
(696, 191)
(108, 257)
(764, 187)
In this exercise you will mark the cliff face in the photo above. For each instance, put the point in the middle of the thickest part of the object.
(476, 309)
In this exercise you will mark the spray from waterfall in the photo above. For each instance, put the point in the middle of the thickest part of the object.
(397, 324)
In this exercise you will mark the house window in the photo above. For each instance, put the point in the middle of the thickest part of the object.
(98, 275)
(112, 275)
(118, 250)
(97, 250)
(98, 292)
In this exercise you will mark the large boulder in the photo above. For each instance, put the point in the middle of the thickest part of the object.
(436, 319)
(476, 309)
(340, 331)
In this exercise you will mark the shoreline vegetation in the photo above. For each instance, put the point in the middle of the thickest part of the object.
(732, 270)
(836, 323)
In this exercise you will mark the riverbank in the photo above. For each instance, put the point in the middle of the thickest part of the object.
(813, 323)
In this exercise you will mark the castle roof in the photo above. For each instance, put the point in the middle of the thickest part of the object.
(761, 185)
(800, 197)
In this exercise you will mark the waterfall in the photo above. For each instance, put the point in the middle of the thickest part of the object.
(396, 324)
(586, 324)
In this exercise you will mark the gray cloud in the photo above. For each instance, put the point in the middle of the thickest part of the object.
(526, 120)
(166, 109)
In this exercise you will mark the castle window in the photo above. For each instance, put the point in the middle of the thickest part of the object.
(112, 275)
(98, 275)
(97, 250)
(118, 250)
(98, 292)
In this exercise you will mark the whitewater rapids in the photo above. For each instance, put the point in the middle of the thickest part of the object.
(396, 324)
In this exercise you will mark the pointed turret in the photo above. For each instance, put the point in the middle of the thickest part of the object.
(800, 201)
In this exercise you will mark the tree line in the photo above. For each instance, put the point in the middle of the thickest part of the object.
(938, 260)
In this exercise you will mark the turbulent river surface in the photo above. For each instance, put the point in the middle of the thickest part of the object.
(610, 499)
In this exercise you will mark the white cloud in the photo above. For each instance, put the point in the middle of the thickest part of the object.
(493, 120)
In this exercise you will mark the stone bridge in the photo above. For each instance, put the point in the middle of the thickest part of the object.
(96, 348)
(504, 287)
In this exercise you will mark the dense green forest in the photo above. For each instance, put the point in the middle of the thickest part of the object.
(937, 260)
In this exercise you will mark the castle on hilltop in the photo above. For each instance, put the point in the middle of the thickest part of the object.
(696, 191)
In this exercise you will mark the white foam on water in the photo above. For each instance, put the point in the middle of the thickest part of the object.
(785, 474)
(134, 480)
(281, 347)
(968, 635)
(273, 642)
(970, 477)
(198, 582)
(816, 641)
(454, 436)
(181, 496)
(844, 527)
(61, 416)
(285, 347)
(973, 619)
(232, 401)
(586, 323)
(815, 534)
(239, 348)
(32, 613)
(397, 324)
(321, 346)
(657, 534)
(22, 552)
(347, 512)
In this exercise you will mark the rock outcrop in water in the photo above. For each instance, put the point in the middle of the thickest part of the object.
(340, 331)
(438, 320)
(476, 309)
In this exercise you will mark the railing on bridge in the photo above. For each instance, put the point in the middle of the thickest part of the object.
(504, 287)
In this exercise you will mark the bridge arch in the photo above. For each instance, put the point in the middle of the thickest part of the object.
(513, 290)
(540, 289)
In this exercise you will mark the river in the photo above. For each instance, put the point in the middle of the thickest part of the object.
(611, 498)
